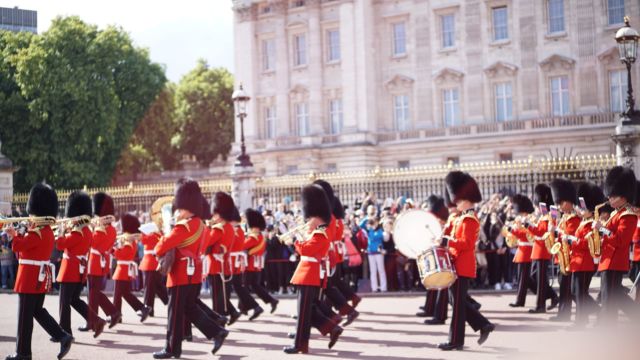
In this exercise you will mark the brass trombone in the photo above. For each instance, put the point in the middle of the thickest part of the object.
(35, 220)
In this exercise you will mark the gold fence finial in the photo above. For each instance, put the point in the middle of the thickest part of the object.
(312, 176)
(377, 171)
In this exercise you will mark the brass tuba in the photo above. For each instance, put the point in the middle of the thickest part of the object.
(509, 239)
(161, 213)
(595, 241)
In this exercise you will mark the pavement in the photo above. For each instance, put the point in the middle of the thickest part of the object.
(386, 329)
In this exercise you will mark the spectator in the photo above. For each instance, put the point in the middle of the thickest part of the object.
(7, 262)
(376, 255)
(389, 248)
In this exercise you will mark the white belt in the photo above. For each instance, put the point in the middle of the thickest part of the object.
(103, 261)
(522, 243)
(308, 259)
(323, 269)
(258, 261)
(341, 247)
(240, 259)
(191, 265)
(43, 264)
(81, 266)
(133, 267)
(149, 252)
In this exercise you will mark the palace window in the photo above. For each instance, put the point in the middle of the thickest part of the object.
(401, 114)
(618, 90)
(270, 122)
(399, 39)
(448, 31)
(615, 11)
(302, 118)
(504, 101)
(300, 50)
(451, 107)
(556, 16)
(559, 95)
(500, 23)
(268, 55)
(333, 45)
(335, 116)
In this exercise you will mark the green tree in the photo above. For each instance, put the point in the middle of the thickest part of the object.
(85, 91)
(205, 113)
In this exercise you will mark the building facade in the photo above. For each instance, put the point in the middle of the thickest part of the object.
(14, 19)
(340, 85)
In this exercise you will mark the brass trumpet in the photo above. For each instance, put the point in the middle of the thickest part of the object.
(294, 234)
(103, 220)
(126, 239)
(76, 220)
(35, 220)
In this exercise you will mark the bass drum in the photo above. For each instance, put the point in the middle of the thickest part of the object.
(415, 231)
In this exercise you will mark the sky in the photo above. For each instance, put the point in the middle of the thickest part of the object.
(177, 33)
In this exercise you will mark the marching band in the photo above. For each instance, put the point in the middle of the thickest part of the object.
(578, 229)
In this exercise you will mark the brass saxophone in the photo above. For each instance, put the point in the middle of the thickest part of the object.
(563, 251)
(549, 238)
(595, 241)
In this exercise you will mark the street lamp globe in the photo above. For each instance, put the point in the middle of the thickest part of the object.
(627, 39)
(240, 101)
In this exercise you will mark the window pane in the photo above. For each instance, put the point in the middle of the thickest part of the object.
(399, 39)
(300, 48)
(500, 23)
(448, 31)
(556, 16)
(618, 90)
(615, 9)
(333, 43)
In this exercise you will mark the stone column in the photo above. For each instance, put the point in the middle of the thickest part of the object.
(627, 139)
(6, 183)
(242, 188)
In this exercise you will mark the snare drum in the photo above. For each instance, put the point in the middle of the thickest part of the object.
(435, 268)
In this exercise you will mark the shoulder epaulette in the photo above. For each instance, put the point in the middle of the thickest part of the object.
(101, 229)
(218, 226)
(629, 211)
(469, 216)
(185, 223)
(321, 232)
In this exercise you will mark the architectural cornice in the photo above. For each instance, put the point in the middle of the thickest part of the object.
(609, 55)
(399, 82)
(447, 73)
(557, 62)
(501, 68)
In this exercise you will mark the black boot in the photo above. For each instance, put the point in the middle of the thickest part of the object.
(18, 357)
(484, 333)
(274, 305)
(335, 334)
(218, 340)
(84, 328)
(295, 350)
(449, 346)
(256, 312)
(144, 313)
(98, 328)
(65, 345)
(164, 354)
(351, 317)
(234, 317)
(115, 319)
(434, 321)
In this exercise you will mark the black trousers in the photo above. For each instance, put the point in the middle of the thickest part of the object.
(307, 295)
(564, 307)
(252, 279)
(245, 300)
(323, 318)
(525, 283)
(543, 290)
(182, 308)
(29, 308)
(335, 298)
(70, 297)
(154, 286)
(463, 311)
(97, 299)
(614, 298)
(218, 295)
(123, 290)
(437, 303)
(585, 304)
(343, 285)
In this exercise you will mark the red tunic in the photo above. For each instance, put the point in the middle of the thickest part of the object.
(523, 255)
(339, 240)
(36, 245)
(149, 261)
(220, 238)
(540, 251)
(102, 242)
(463, 246)
(581, 259)
(75, 244)
(187, 238)
(568, 225)
(615, 248)
(636, 244)
(124, 254)
(234, 258)
(256, 247)
(311, 251)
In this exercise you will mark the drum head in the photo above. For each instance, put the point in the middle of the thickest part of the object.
(415, 231)
(439, 280)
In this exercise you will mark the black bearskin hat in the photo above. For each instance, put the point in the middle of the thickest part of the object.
(592, 195)
(103, 204)
(435, 204)
(315, 203)
(621, 181)
(461, 186)
(188, 196)
(235, 215)
(223, 205)
(637, 202)
(522, 204)
(542, 194)
(78, 203)
(255, 219)
(338, 209)
(328, 189)
(563, 190)
(43, 201)
(130, 224)
(206, 209)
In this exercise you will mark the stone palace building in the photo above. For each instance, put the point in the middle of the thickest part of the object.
(339, 85)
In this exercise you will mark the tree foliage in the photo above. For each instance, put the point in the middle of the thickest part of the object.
(70, 100)
(205, 113)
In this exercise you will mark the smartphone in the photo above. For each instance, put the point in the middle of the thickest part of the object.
(583, 204)
(554, 212)
(543, 209)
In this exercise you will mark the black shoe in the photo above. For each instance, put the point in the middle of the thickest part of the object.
(65, 345)
(434, 321)
(423, 308)
(222, 321)
(274, 305)
(484, 333)
(560, 318)
(84, 328)
(151, 313)
(356, 300)
(476, 305)
(53, 340)
(98, 328)
(256, 312)
(18, 357)
(335, 334)
(352, 316)
(516, 305)
(144, 313)
(448, 346)
(554, 303)
(537, 311)
(234, 317)
(291, 335)
(218, 340)
(188, 338)
(164, 354)
(422, 314)
(115, 319)
(295, 350)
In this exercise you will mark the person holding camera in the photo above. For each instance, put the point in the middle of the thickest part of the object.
(375, 235)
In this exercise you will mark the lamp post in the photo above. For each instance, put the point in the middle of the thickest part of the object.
(240, 101)
(627, 39)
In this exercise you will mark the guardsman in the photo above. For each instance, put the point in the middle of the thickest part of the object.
(103, 238)
(153, 284)
(620, 188)
(523, 207)
(540, 255)
(341, 249)
(256, 246)
(635, 257)
(564, 196)
(127, 269)
(35, 275)
(437, 301)
(582, 264)
(73, 268)
(463, 191)
(310, 274)
(185, 275)
(237, 265)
